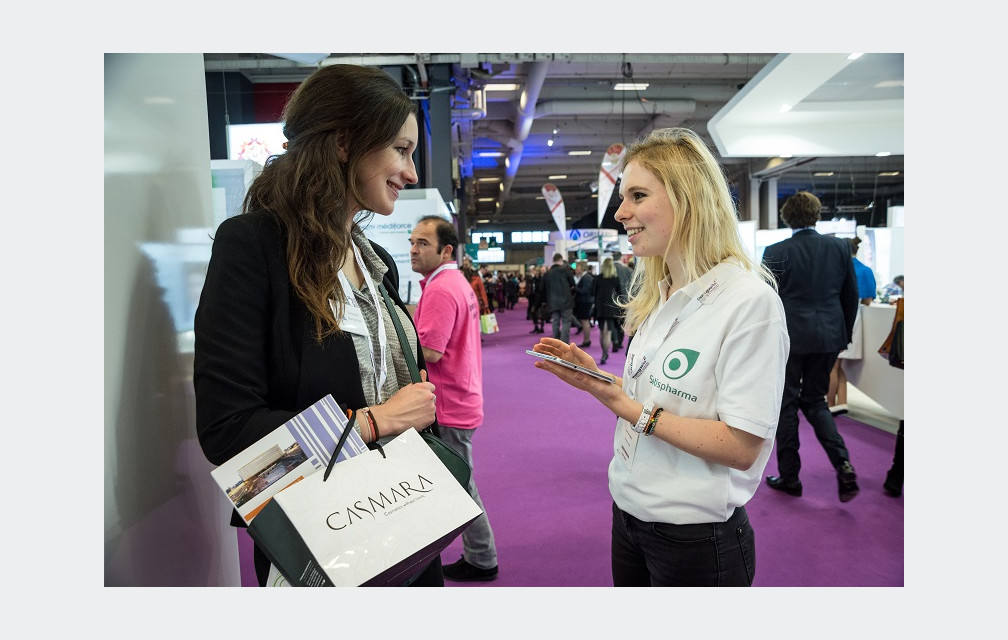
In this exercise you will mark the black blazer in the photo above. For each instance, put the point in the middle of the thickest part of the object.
(257, 362)
(818, 288)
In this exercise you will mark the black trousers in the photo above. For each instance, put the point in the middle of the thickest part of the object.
(806, 381)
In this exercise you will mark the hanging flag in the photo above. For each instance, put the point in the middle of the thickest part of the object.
(556, 206)
(607, 177)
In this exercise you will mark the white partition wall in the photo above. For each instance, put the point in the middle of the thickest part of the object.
(165, 520)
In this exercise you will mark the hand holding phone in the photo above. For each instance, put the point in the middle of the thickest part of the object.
(570, 365)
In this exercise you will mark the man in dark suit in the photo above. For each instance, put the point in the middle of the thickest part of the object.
(558, 289)
(818, 288)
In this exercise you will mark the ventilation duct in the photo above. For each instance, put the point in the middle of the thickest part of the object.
(614, 107)
(523, 124)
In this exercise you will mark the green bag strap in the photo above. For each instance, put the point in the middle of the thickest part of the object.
(407, 350)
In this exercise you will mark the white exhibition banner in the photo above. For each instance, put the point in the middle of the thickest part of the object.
(556, 207)
(393, 232)
(607, 176)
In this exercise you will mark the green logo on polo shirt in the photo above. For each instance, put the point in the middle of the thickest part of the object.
(678, 363)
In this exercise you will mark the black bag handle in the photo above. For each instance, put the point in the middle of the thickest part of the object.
(339, 446)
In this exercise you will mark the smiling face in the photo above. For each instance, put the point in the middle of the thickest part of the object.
(645, 211)
(384, 172)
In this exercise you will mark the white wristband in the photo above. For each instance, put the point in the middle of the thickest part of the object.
(644, 417)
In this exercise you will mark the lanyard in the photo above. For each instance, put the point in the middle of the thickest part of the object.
(380, 373)
(717, 282)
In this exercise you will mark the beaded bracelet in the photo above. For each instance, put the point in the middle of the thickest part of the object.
(653, 421)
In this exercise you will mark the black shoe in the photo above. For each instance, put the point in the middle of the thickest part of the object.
(534, 330)
(616, 347)
(603, 360)
(462, 571)
(585, 344)
(891, 487)
(790, 488)
(838, 409)
(846, 482)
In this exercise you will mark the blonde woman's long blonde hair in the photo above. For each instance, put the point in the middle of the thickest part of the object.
(705, 229)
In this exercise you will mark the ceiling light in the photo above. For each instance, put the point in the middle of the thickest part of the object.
(889, 173)
(630, 86)
(882, 154)
(558, 177)
(501, 87)
(485, 199)
(579, 153)
(484, 221)
(888, 84)
(490, 154)
(555, 131)
(822, 174)
(549, 143)
(488, 179)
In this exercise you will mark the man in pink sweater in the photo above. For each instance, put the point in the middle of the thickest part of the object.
(447, 319)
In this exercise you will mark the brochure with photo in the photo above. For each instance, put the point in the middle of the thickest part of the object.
(294, 450)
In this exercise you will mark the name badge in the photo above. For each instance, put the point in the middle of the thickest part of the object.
(626, 445)
(353, 320)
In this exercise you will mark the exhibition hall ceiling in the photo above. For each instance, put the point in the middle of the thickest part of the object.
(809, 121)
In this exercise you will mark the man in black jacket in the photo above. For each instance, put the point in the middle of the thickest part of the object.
(818, 288)
(558, 286)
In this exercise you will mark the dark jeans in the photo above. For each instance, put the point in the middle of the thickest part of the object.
(657, 554)
(806, 381)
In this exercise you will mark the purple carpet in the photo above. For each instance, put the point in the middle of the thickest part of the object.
(540, 464)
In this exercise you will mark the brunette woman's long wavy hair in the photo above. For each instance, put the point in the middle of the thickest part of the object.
(338, 115)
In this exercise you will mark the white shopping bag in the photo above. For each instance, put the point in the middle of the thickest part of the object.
(377, 520)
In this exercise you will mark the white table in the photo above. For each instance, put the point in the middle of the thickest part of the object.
(872, 374)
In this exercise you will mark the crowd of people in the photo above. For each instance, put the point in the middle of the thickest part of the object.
(722, 351)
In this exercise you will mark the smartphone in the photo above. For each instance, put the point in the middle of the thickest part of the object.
(570, 365)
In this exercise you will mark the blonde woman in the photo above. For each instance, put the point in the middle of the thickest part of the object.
(699, 398)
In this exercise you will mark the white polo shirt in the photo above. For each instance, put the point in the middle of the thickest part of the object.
(723, 360)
